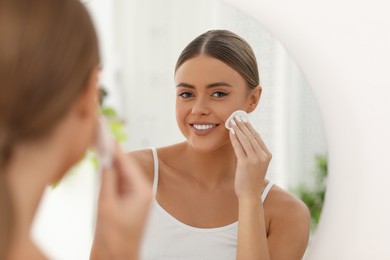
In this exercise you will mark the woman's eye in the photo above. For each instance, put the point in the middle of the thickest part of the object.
(219, 94)
(185, 94)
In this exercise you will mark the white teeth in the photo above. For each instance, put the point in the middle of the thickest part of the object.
(203, 127)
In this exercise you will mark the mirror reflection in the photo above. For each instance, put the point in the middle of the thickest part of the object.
(140, 42)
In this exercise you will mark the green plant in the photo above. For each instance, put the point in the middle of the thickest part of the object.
(314, 195)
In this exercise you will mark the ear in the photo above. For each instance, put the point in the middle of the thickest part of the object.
(87, 102)
(254, 98)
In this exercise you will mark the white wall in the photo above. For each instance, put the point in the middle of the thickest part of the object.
(343, 49)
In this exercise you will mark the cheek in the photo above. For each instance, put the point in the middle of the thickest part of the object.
(178, 111)
(228, 110)
(180, 116)
(94, 129)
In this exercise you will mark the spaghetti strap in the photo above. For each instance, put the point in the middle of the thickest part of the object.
(266, 191)
(155, 161)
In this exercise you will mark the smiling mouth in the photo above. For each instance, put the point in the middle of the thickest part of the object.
(204, 126)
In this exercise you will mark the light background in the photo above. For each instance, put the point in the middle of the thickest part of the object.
(140, 42)
(343, 48)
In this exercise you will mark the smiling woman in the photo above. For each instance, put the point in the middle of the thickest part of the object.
(149, 41)
(140, 42)
(215, 87)
(210, 190)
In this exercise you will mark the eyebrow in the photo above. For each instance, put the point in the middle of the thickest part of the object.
(211, 85)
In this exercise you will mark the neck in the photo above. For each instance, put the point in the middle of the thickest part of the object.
(32, 167)
(213, 168)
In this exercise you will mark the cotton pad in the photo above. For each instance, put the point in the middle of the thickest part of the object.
(104, 144)
(240, 113)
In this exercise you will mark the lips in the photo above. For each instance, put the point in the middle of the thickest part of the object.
(203, 129)
(204, 126)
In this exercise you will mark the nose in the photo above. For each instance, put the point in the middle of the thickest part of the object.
(200, 107)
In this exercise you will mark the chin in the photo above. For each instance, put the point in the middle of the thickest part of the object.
(208, 147)
(71, 161)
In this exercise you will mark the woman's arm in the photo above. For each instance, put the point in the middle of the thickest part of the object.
(289, 228)
(253, 159)
(124, 202)
(288, 232)
(252, 235)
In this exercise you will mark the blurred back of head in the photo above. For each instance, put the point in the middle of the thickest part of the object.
(47, 50)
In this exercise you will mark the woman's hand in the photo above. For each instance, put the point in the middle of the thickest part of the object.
(253, 158)
(124, 202)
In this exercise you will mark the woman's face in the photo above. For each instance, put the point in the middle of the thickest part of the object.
(207, 92)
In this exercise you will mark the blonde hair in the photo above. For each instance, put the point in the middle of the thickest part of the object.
(48, 49)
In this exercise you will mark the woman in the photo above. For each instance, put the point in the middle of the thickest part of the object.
(49, 66)
(210, 191)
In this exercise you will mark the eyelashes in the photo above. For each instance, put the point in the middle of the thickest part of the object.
(219, 94)
(216, 94)
(185, 95)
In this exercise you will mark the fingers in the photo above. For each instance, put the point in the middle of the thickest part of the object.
(114, 180)
(237, 146)
(246, 137)
(108, 185)
(132, 179)
(258, 138)
(134, 187)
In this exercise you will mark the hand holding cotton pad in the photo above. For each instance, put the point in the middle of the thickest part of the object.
(240, 113)
(104, 145)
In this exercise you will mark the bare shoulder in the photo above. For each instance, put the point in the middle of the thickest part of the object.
(283, 205)
(288, 225)
(144, 158)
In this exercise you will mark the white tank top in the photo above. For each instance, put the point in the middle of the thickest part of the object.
(166, 237)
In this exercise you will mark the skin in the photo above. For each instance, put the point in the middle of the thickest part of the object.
(29, 172)
(215, 178)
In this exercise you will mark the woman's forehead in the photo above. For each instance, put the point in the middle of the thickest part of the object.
(207, 69)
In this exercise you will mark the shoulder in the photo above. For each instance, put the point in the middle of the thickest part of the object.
(285, 207)
(144, 158)
(287, 214)
(282, 204)
(288, 226)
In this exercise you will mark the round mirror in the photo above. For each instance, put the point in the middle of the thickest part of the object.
(151, 36)
(140, 42)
